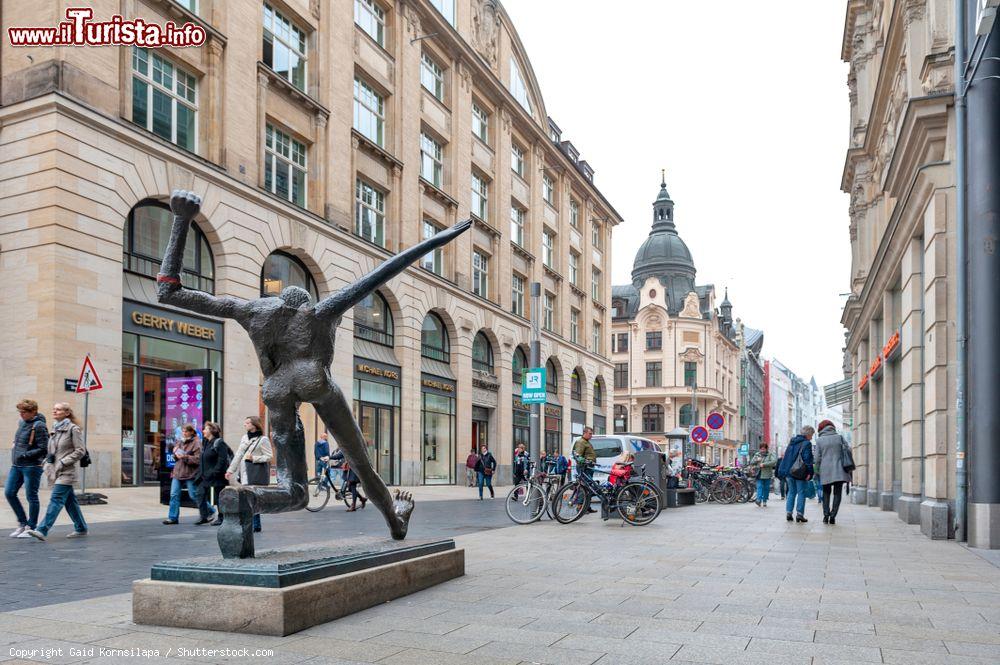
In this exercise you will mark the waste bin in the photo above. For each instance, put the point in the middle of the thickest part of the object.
(656, 467)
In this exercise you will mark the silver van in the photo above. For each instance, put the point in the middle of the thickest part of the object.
(610, 446)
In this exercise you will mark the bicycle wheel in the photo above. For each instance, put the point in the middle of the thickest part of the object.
(319, 494)
(638, 503)
(347, 497)
(572, 501)
(525, 503)
(701, 494)
(551, 489)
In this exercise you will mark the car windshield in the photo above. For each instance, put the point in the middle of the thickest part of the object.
(606, 446)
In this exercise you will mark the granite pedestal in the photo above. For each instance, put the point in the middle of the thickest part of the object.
(284, 591)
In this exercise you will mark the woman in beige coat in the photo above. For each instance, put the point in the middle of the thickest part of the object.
(255, 448)
(65, 452)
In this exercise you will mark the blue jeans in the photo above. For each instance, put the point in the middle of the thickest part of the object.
(175, 498)
(796, 495)
(819, 489)
(30, 477)
(62, 495)
(482, 478)
(763, 489)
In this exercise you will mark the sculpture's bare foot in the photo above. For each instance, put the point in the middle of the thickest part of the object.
(402, 507)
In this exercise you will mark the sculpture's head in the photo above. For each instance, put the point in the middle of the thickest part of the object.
(294, 296)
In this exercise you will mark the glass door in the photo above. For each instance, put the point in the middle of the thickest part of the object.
(149, 436)
(377, 427)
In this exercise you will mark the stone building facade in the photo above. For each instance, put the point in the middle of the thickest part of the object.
(672, 348)
(900, 315)
(323, 138)
(752, 386)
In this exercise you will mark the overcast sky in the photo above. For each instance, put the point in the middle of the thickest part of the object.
(745, 105)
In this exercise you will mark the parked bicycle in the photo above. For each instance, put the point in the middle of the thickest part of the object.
(637, 500)
(320, 489)
(529, 500)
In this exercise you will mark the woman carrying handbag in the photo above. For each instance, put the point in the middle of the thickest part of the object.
(251, 464)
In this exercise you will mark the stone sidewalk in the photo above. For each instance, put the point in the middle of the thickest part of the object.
(708, 584)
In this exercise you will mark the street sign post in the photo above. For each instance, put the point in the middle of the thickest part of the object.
(533, 386)
(716, 435)
(88, 382)
(744, 449)
(716, 420)
(699, 434)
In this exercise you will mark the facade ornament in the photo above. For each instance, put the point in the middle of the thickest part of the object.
(465, 75)
(413, 21)
(692, 308)
(486, 30)
(691, 355)
(320, 120)
(915, 10)
(355, 142)
(505, 118)
(314, 7)
(262, 80)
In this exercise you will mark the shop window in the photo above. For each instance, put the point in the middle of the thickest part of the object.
(482, 354)
(147, 231)
(652, 418)
(551, 377)
(621, 419)
(283, 270)
(373, 320)
(434, 342)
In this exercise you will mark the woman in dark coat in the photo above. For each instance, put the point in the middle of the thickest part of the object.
(485, 466)
(215, 457)
(830, 467)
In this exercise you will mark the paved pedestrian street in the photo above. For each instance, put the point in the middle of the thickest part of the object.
(706, 584)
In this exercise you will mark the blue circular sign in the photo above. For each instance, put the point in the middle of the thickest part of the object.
(699, 434)
(716, 420)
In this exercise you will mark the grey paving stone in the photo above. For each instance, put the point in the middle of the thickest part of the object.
(597, 629)
(645, 634)
(896, 657)
(452, 643)
(366, 652)
(703, 653)
(618, 647)
(493, 633)
(536, 654)
(776, 632)
(882, 641)
(973, 649)
(859, 654)
(423, 657)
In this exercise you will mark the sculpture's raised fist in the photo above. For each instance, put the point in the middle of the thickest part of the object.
(184, 204)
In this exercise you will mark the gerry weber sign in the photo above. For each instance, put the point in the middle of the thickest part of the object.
(165, 324)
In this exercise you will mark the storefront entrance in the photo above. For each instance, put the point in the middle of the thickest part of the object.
(376, 408)
(377, 426)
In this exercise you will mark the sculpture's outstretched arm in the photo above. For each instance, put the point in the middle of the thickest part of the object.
(185, 205)
(346, 298)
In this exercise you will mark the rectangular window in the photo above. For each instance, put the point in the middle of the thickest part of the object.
(595, 235)
(480, 274)
(480, 197)
(654, 375)
(622, 339)
(431, 76)
(517, 294)
(370, 18)
(574, 214)
(430, 160)
(285, 166)
(690, 374)
(447, 9)
(190, 5)
(517, 86)
(284, 48)
(369, 222)
(433, 260)
(574, 268)
(548, 311)
(164, 99)
(369, 112)
(517, 226)
(654, 340)
(548, 190)
(621, 375)
(480, 123)
(595, 284)
(548, 249)
(574, 326)
(597, 339)
(516, 159)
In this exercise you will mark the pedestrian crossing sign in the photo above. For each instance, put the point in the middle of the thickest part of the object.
(88, 381)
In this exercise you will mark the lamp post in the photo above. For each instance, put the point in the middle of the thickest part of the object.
(534, 360)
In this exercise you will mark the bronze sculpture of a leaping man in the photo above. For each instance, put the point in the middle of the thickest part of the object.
(294, 340)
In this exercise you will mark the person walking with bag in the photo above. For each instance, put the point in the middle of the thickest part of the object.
(470, 467)
(834, 464)
(251, 465)
(215, 458)
(765, 460)
(187, 458)
(65, 450)
(486, 465)
(797, 469)
(521, 464)
(31, 445)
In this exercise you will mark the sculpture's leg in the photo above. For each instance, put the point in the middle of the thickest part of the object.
(235, 535)
(336, 414)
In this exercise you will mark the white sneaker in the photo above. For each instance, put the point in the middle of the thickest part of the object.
(24, 534)
(35, 534)
(18, 531)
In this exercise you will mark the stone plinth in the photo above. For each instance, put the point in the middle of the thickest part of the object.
(284, 591)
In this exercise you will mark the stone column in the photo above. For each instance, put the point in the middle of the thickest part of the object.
(911, 365)
(875, 409)
(262, 83)
(859, 491)
(216, 118)
(887, 495)
(318, 168)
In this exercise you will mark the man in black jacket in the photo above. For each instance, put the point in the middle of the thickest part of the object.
(31, 444)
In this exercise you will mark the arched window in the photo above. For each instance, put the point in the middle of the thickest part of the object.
(685, 416)
(652, 418)
(482, 353)
(598, 393)
(282, 270)
(147, 231)
(434, 342)
(576, 385)
(517, 365)
(621, 419)
(373, 320)
(551, 377)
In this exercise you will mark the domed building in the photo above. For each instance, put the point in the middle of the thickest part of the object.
(676, 352)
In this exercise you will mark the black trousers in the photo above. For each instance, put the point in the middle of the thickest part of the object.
(836, 489)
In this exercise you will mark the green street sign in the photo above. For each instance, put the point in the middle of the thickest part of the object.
(533, 386)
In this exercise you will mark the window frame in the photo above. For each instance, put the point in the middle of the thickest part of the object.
(620, 410)
(596, 235)
(432, 261)
(272, 133)
(548, 311)
(548, 189)
(654, 369)
(548, 249)
(652, 415)
(148, 79)
(481, 117)
(621, 375)
(595, 284)
(551, 377)
(442, 353)
(277, 38)
(654, 340)
(385, 337)
(479, 365)
(481, 273)
(434, 72)
(690, 374)
(142, 264)
(517, 295)
(310, 280)
(517, 218)
(597, 337)
(517, 158)
(480, 200)
(574, 214)
(574, 325)
(363, 111)
(574, 268)
(518, 86)
(435, 161)
(376, 207)
(376, 15)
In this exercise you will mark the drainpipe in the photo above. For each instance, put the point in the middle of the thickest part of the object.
(961, 137)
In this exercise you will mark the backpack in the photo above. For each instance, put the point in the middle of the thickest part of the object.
(562, 464)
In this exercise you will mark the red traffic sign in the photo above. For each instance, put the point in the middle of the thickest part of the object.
(88, 380)
(716, 420)
(699, 434)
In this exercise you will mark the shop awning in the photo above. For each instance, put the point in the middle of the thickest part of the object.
(376, 352)
(436, 367)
